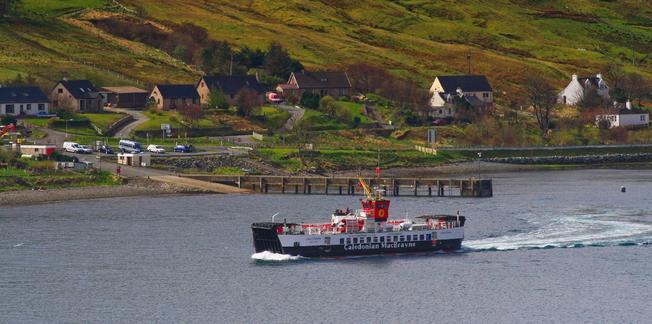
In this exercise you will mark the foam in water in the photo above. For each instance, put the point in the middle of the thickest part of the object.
(571, 232)
(270, 256)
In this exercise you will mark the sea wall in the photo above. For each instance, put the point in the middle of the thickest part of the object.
(581, 159)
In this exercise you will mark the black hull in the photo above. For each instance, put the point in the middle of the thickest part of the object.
(266, 239)
(342, 251)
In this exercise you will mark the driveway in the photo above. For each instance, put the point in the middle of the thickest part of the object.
(296, 115)
(138, 116)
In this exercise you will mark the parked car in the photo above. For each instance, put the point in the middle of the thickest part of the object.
(155, 148)
(84, 149)
(130, 146)
(184, 148)
(105, 149)
(73, 147)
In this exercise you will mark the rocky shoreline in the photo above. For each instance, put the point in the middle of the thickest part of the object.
(133, 187)
(580, 159)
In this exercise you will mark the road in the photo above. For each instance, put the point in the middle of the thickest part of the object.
(139, 118)
(296, 115)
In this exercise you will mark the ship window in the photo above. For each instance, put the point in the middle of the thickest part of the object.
(395, 238)
(402, 238)
(428, 237)
(297, 244)
(341, 241)
(409, 238)
(355, 240)
(415, 237)
(375, 239)
(421, 237)
(348, 240)
(389, 239)
(369, 239)
(382, 239)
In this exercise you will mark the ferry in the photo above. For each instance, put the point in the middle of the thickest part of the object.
(367, 231)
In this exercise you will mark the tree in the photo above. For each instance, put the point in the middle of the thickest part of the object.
(326, 103)
(247, 100)
(635, 87)
(9, 7)
(190, 113)
(309, 100)
(542, 97)
(279, 63)
(217, 99)
(590, 99)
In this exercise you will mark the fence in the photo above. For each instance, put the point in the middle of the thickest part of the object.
(426, 150)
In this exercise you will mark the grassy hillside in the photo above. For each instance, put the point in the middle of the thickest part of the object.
(507, 39)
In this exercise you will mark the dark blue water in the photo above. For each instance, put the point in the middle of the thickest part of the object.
(561, 246)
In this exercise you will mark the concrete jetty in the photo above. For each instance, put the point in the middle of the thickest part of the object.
(418, 187)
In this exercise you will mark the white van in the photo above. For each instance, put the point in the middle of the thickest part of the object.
(130, 146)
(71, 147)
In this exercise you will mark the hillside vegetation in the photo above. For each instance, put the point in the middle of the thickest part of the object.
(507, 40)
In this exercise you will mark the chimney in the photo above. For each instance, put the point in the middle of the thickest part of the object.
(574, 77)
(459, 92)
(599, 76)
(65, 78)
(628, 105)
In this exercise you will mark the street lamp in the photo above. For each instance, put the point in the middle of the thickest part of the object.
(479, 157)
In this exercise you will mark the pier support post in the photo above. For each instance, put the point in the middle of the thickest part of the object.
(429, 191)
(416, 187)
(326, 186)
(296, 189)
(282, 185)
(340, 187)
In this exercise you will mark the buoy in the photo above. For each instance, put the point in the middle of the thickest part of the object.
(623, 189)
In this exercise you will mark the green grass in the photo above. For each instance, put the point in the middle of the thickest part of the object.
(57, 7)
(272, 117)
(355, 110)
(316, 120)
(173, 119)
(18, 179)
(103, 120)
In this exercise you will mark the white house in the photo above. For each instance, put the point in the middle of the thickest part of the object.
(626, 116)
(27, 100)
(474, 89)
(574, 91)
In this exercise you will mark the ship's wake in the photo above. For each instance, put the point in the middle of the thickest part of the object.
(275, 257)
(596, 229)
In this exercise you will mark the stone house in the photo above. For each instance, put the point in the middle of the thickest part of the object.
(327, 83)
(230, 85)
(173, 96)
(23, 100)
(77, 95)
(574, 91)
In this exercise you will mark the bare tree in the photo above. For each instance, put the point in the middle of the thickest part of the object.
(636, 87)
(246, 100)
(543, 98)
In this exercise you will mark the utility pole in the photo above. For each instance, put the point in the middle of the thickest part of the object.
(468, 59)
(231, 65)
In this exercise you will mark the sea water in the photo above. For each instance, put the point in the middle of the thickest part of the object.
(555, 246)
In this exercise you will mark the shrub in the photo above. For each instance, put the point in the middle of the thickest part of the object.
(310, 100)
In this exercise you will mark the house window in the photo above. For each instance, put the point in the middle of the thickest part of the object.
(449, 111)
(41, 107)
(441, 111)
(9, 109)
(82, 105)
(29, 107)
(59, 90)
(485, 95)
(642, 117)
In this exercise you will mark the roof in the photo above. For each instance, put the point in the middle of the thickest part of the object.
(232, 84)
(624, 111)
(174, 91)
(320, 80)
(80, 89)
(286, 86)
(123, 90)
(25, 94)
(468, 83)
(474, 101)
(594, 81)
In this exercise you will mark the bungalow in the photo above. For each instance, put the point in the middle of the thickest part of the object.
(229, 85)
(77, 95)
(24, 100)
(172, 96)
(334, 84)
(473, 89)
(574, 91)
(623, 115)
(124, 97)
